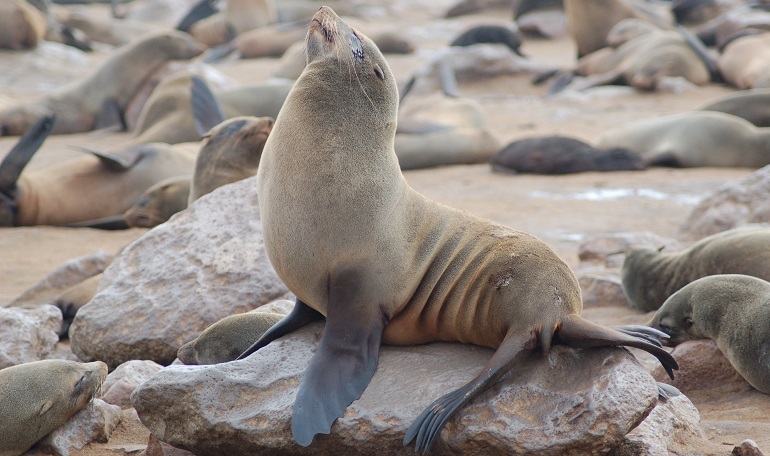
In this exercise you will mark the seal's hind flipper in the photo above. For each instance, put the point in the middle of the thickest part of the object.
(427, 426)
(200, 11)
(301, 315)
(115, 222)
(121, 160)
(206, 110)
(346, 358)
(111, 117)
(20, 155)
(575, 331)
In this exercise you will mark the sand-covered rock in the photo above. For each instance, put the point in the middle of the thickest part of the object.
(205, 263)
(95, 423)
(732, 205)
(581, 401)
(28, 335)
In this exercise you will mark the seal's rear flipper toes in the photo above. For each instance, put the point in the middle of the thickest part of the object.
(575, 331)
(666, 391)
(427, 426)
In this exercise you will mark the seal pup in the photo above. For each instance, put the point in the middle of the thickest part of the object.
(226, 339)
(731, 309)
(159, 203)
(39, 397)
(100, 99)
(21, 25)
(745, 62)
(694, 138)
(562, 155)
(383, 263)
(752, 105)
(239, 16)
(650, 276)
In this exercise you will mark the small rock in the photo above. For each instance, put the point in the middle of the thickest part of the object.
(157, 448)
(124, 379)
(747, 448)
(581, 401)
(702, 366)
(732, 205)
(602, 291)
(28, 334)
(95, 423)
(609, 248)
(207, 262)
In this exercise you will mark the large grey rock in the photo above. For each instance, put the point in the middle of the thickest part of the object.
(569, 402)
(63, 277)
(205, 263)
(95, 423)
(28, 335)
(732, 205)
(121, 382)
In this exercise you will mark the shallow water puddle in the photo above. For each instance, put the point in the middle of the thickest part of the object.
(607, 194)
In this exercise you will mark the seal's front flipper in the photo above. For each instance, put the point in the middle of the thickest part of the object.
(301, 315)
(575, 331)
(20, 155)
(346, 358)
(206, 110)
(427, 426)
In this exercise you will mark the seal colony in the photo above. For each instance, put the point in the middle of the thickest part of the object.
(382, 262)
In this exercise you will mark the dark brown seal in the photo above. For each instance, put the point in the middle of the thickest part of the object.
(650, 276)
(383, 263)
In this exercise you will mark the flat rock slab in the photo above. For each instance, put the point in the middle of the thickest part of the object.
(204, 264)
(570, 402)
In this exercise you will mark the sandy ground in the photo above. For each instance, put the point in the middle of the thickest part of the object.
(561, 210)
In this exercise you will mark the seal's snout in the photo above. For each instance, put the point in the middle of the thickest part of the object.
(325, 19)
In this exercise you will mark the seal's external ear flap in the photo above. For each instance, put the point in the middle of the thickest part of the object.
(45, 407)
(378, 71)
(660, 249)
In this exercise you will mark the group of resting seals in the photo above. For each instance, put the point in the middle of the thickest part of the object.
(385, 264)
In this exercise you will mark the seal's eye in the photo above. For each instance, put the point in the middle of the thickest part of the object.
(356, 46)
(688, 322)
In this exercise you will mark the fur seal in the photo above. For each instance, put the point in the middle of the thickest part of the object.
(159, 203)
(73, 298)
(21, 25)
(239, 16)
(731, 309)
(649, 276)
(562, 155)
(695, 138)
(100, 100)
(226, 339)
(745, 62)
(490, 34)
(40, 396)
(383, 263)
(752, 105)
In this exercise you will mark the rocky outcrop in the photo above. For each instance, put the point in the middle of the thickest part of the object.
(123, 381)
(95, 423)
(570, 401)
(28, 335)
(205, 263)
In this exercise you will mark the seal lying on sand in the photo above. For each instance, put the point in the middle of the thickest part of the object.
(561, 155)
(385, 264)
(649, 276)
(689, 139)
(752, 105)
(39, 397)
(745, 62)
(100, 99)
(731, 309)
(21, 25)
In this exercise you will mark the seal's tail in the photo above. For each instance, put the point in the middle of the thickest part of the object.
(575, 331)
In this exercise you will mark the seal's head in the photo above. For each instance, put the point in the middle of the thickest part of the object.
(240, 138)
(336, 52)
(641, 292)
(159, 203)
(675, 318)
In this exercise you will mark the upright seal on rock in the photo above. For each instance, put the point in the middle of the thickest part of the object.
(383, 263)
(731, 309)
(649, 276)
(41, 396)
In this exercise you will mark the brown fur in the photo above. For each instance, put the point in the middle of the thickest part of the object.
(160, 202)
(745, 62)
(78, 105)
(21, 25)
(239, 16)
(649, 276)
(731, 309)
(40, 396)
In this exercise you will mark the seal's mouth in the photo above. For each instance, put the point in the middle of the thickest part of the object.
(325, 21)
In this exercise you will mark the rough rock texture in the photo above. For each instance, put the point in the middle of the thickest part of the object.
(731, 205)
(609, 248)
(702, 366)
(157, 448)
(94, 423)
(602, 291)
(205, 263)
(28, 335)
(279, 306)
(673, 427)
(123, 381)
(570, 402)
(65, 276)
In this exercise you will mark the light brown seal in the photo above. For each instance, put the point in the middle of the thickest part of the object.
(226, 339)
(159, 203)
(752, 105)
(40, 396)
(649, 276)
(731, 309)
(385, 264)
(745, 62)
(239, 16)
(21, 25)
(695, 138)
(100, 99)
